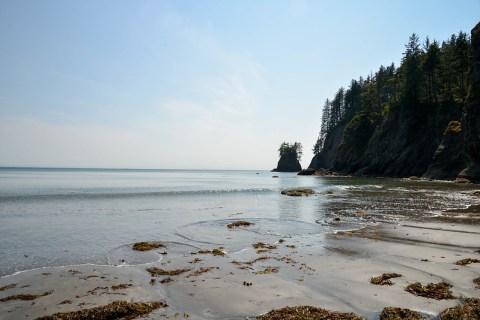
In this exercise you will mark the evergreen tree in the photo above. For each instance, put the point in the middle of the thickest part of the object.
(430, 66)
(437, 75)
(291, 150)
(411, 67)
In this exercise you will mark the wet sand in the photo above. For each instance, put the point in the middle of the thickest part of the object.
(332, 273)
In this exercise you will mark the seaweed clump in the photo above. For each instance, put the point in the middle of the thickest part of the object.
(263, 245)
(268, 270)
(215, 252)
(399, 313)
(25, 297)
(437, 291)
(466, 261)
(307, 313)
(298, 192)
(384, 279)
(201, 271)
(114, 310)
(147, 245)
(122, 286)
(477, 282)
(154, 271)
(239, 224)
(470, 309)
(10, 286)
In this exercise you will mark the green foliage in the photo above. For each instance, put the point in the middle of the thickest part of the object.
(291, 150)
(431, 74)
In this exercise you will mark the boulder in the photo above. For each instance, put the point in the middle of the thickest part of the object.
(298, 192)
(307, 172)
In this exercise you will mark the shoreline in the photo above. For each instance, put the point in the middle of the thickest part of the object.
(333, 273)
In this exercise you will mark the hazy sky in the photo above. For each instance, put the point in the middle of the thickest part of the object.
(191, 84)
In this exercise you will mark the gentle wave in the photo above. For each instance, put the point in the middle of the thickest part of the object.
(114, 195)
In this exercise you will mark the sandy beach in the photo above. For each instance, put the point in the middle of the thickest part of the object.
(332, 273)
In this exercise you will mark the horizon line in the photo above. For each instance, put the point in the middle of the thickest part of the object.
(122, 168)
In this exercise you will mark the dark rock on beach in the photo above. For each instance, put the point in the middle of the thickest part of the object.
(307, 172)
(298, 192)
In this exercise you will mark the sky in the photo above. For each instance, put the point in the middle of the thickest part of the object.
(191, 84)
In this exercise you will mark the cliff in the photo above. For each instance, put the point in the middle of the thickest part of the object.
(288, 163)
(472, 113)
(412, 137)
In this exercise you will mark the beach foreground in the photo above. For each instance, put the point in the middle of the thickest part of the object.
(333, 273)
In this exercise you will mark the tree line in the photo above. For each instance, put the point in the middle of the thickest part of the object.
(430, 75)
(291, 150)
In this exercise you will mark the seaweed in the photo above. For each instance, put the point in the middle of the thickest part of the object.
(469, 309)
(477, 282)
(262, 258)
(400, 314)
(215, 252)
(154, 271)
(200, 271)
(25, 297)
(466, 261)
(114, 310)
(384, 279)
(262, 245)
(121, 286)
(147, 245)
(307, 313)
(94, 291)
(298, 192)
(166, 280)
(239, 224)
(10, 286)
(268, 270)
(218, 252)
(437, 291)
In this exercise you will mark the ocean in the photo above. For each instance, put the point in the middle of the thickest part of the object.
(61, 217)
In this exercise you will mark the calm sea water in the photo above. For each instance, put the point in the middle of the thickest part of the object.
(55, 217)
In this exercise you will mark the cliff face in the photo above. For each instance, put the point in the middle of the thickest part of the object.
(401, 145)
(472, 113)
(325, 158)
(438, 142)
(450, 158)
(288, 163)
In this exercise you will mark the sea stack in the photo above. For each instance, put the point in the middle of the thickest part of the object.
(290, 155)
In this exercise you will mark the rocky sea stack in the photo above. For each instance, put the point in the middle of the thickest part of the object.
(290, 155)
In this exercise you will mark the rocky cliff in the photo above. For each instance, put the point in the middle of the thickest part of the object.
(438, 141)
(288, 163)
(472, 114)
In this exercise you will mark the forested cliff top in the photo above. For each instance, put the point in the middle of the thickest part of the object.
(418, 119)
